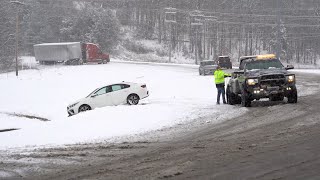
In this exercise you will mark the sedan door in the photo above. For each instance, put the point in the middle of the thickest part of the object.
(101, 98)
(120, 93)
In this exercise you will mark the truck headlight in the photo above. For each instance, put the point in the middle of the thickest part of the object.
(290, 78)
(252, 82)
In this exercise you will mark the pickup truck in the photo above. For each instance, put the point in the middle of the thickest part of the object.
(261, 76)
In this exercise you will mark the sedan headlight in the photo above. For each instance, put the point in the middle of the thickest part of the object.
(291, 78)
(252, 82)
(72, 105)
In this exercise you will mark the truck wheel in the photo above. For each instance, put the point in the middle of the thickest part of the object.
(238, 99)
(293, 96)
(230, 96)
(245, 101)
(278, 97)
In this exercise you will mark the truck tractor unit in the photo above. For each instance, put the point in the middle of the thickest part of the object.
(70, 53)
(261, 76)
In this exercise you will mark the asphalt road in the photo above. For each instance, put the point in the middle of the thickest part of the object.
(273, 140)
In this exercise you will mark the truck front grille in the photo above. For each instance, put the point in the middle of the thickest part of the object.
(272, 77)
(273, 80)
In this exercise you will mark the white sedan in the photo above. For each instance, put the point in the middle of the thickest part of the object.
(110, 95)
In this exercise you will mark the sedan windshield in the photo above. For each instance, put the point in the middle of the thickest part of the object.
(264, 64)
(92, 92)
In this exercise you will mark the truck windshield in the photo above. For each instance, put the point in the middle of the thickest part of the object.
(207, 63)
(264, 64)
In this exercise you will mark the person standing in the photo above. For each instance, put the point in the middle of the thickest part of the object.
(219, 77)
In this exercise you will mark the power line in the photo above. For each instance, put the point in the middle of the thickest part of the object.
(187, 11)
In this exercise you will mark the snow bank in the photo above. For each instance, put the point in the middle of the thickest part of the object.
(312, 71)
(177, 94)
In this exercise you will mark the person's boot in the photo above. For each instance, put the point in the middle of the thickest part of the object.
(224, 102)
(218, 103)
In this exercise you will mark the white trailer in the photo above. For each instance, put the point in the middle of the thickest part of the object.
(68, 52)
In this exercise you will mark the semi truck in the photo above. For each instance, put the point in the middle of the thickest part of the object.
(70, 53)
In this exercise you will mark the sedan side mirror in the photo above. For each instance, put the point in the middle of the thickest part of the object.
(93, 95)
(289, 67)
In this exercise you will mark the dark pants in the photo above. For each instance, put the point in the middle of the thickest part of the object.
(221, 91)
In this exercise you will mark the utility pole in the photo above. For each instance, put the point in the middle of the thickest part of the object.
(196, 21)
(170, 18)
(196, 47)
(204, 38)
(207, 24)
(170, 45)
(17, 41)
(278, 48)
(17, 33)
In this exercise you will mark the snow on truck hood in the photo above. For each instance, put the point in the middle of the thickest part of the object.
(260, 72)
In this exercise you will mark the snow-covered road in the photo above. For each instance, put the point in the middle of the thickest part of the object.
(177, 95)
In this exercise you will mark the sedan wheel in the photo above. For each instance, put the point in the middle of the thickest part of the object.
(84, 107)
(133, 99)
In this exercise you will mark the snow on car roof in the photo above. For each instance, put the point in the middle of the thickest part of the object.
(248, 56)
(54, 44)
(92, 43)
(117, 82)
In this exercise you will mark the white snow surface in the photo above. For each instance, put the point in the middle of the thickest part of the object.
(309, 71)
(177, 95)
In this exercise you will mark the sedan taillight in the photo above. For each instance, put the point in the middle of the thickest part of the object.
(144, 86)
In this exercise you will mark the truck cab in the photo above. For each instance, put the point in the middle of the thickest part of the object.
(91, 53)
(261, 76)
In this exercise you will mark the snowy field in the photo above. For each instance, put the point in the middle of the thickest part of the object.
(177, 94)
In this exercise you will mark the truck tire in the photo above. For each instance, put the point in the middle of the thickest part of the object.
(245, 101)
(230, 96)
(238, 99)
(278, 97)
(293, 96)
(80, 62)
(201, 73)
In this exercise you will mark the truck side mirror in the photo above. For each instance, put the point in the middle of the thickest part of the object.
(289, 67)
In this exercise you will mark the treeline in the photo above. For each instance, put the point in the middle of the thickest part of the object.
(45, 21)
(206, 29)
(200, 29)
